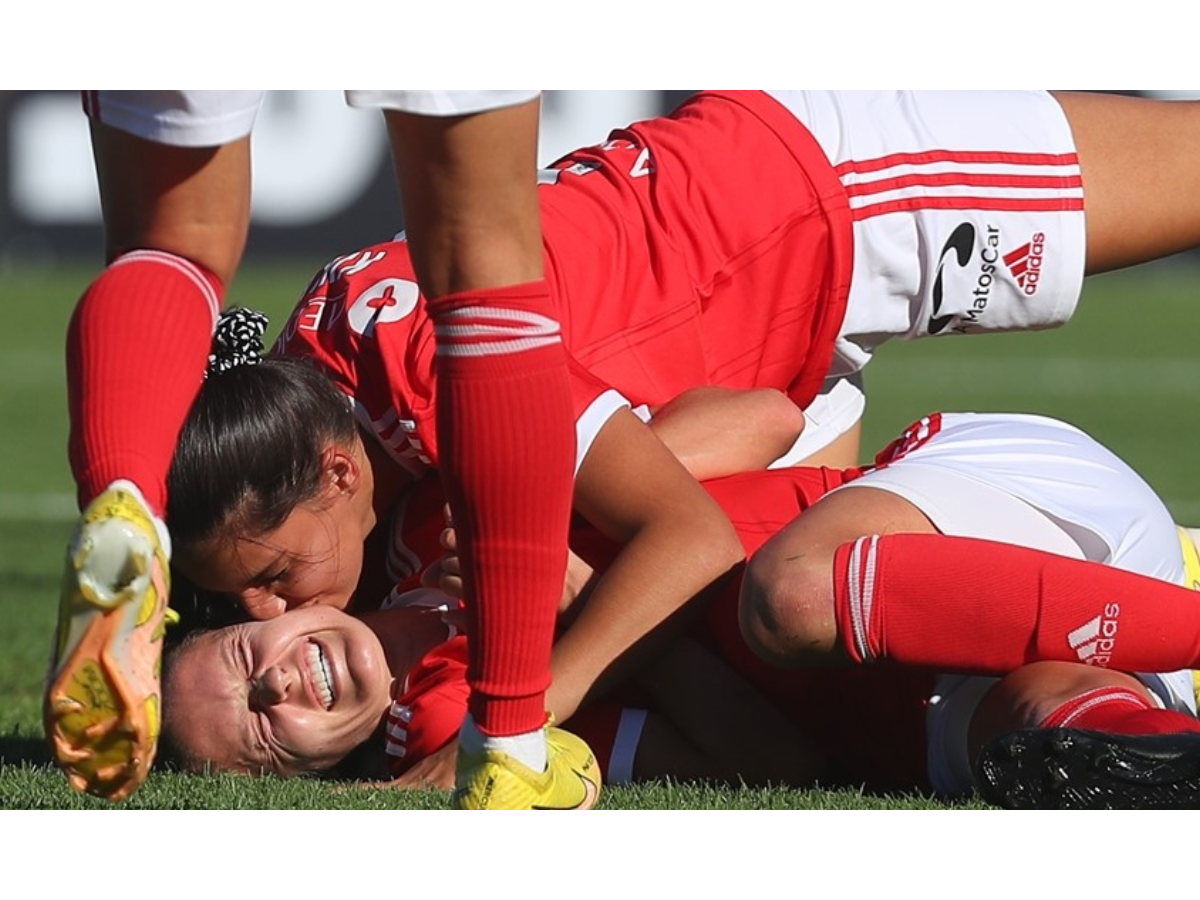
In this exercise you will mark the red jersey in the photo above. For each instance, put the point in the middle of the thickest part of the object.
(406, 540)
(711, 246)
(430, 710)
(870, 722)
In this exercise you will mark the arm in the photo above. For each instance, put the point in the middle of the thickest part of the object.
(445, 573)
(676, 544)
(717, 431)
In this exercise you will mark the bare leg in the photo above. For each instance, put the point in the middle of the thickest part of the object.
(176, 220)
(505, 425)
(787, 604)
(140, 334)
(193, 202)
(1027, 696)
(1141, 176)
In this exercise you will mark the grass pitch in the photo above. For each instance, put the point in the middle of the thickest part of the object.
(1127, 369)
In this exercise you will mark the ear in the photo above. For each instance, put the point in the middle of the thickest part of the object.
(342, 472)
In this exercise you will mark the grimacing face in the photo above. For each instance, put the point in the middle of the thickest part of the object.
(289, 695)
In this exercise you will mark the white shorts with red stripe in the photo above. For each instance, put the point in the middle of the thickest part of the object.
(967, 209)
(1034, 482)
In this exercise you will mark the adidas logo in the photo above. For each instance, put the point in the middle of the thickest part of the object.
(1025, 263)
(1094, 640)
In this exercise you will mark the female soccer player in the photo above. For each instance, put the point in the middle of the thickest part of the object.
(174, 173)
(772, 239)
(831, 724)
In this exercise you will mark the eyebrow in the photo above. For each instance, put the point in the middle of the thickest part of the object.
(268, 566)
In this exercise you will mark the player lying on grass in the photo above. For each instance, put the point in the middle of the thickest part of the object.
(1044, 504)
(769, 239)
(281, 515)
(286, 677)
(252, 698)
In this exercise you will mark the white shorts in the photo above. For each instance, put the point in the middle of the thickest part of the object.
(1035, 482)
(211, 118)
(967, 210)
(834, 411)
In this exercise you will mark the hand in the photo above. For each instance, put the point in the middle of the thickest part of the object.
(446, 573)
(434, 771)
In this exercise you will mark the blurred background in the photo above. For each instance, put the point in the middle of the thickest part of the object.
(323, 185)
(322, 173)
(323, 179)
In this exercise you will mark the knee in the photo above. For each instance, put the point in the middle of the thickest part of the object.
(785, 608)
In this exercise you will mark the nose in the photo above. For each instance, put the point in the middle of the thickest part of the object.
(262, 605)
(270, 688)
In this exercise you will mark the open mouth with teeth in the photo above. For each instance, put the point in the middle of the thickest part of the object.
(320, 675)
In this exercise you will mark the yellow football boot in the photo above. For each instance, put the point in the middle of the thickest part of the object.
(494, 780)
(101, 710)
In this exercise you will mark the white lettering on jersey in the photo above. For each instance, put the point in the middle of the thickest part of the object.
(355, 263)
(643, 166)
(398, 719)
(393, 433)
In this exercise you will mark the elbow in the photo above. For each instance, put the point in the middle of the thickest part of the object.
(724, 548)
(706, 546)
(784, 418)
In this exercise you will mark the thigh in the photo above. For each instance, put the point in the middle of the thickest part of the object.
(190, 201)
(1141, 176)
(844, 515)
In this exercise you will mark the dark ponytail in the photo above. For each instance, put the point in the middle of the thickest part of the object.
(252, 446)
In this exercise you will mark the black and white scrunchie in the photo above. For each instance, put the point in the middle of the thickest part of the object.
(237, 340)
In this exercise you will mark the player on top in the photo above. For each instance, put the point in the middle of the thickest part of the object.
(174, 171)
(772, 239)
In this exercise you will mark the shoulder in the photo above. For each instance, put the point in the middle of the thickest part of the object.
(429, 712)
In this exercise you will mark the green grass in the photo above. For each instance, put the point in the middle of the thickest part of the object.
(1127, 369)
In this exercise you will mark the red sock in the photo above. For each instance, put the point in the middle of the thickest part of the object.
(136, 351)
(983, 606)
(506, 428)
(1116, 710)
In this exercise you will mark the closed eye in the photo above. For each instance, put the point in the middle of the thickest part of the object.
(275, 577)
(246, 659)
